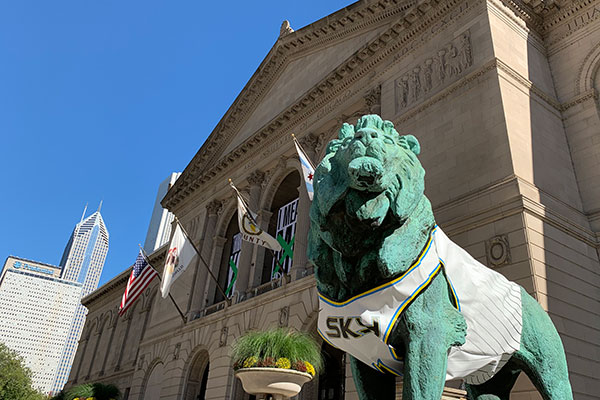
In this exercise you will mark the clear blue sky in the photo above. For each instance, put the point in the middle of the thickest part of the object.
(94, 93)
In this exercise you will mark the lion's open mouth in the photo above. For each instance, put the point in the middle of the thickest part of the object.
(367, 207)
(366, 174)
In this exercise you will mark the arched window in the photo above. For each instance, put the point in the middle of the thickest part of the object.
(230, 260)
(154, 382)
(283, 227)
(197, 379)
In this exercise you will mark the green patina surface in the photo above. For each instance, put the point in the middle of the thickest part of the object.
(370, 220)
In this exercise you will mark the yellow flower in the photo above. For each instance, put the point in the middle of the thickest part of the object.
(309, 368)
(283, 363)
(249, 362)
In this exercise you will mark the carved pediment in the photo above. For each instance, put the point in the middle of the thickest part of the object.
(298, 77)
(284, 90)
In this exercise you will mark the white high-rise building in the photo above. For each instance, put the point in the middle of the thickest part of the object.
(159, 230)
(82, 262)
(37, 309)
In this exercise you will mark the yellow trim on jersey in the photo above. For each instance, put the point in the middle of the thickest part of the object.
(406, 302)
(387, 284)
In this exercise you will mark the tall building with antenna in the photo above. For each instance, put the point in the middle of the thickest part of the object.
(82, 262)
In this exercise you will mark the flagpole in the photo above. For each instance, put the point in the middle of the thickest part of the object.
(204, 262)
(283, 273)
(160, 280)
(304, 151)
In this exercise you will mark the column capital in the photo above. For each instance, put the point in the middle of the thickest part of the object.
(312, 142)
(214, 207)
(373, 100)
(256, 178)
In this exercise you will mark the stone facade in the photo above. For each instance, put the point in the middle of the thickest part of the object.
(502, 95)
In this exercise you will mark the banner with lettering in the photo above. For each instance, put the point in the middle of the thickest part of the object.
(286, 230)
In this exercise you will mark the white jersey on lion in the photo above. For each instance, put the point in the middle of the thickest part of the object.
(490, 304)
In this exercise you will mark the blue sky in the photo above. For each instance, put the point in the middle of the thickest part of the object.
(97, 96)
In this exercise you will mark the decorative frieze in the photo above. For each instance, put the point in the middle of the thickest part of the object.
(439, 69)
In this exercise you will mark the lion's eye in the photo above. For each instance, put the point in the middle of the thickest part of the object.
(388, 140)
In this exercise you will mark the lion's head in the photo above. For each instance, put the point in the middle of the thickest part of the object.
(368, 185)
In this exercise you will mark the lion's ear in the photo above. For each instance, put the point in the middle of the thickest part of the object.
(346, 131)
(413, 144)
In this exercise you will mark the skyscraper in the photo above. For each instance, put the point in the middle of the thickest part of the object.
(82, 262)
(37, 308)
(159, 230)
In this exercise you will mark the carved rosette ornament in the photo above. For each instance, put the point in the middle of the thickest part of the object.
(497, 251)
(214, 207)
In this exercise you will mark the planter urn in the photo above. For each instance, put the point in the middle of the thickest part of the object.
(280, 382)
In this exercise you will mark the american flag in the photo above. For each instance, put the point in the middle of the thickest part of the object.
(141, 276)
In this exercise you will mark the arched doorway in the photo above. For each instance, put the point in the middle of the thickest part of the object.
(332, 379)
(282, 224)
(154, 382)
(197, 379)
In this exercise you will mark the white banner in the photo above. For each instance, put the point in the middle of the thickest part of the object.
(250, 230)
(180, 255)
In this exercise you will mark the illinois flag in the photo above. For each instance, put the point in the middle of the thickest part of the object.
(142, 274)
(180, 255)
(249, 227)
(308, 170)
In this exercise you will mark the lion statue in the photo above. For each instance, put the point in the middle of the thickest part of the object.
(401, 298)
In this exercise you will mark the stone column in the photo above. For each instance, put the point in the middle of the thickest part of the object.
(264, 217)
(215, 265)
(112, 325)
(199, 289)
(310, 143)
(244, 280)
(82, 344)
(98, 335)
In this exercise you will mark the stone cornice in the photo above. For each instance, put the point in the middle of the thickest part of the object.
(412, 20)
(545, 15)
(120, 281)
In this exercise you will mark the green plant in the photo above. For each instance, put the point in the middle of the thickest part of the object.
(277, 348)
(97, 391)
(15, 378)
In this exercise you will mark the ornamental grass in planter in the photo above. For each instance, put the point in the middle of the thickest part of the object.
(90, 391)
(277, 348)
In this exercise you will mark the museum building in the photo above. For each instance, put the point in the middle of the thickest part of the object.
(503, 97)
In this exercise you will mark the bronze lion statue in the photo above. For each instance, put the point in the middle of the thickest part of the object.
(403, 299)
